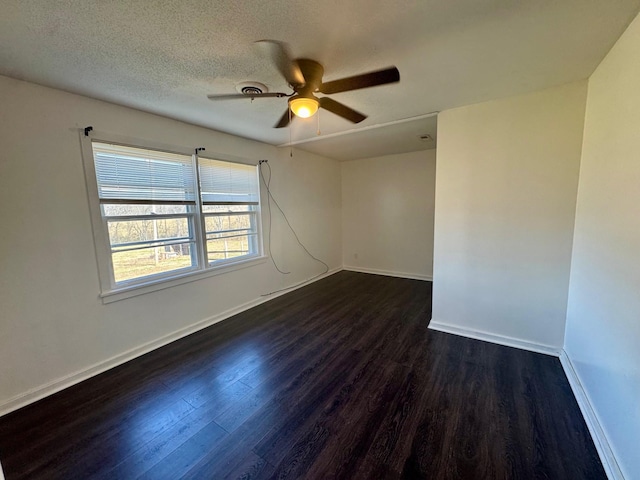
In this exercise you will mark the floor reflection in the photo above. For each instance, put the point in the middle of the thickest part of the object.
(216, 388)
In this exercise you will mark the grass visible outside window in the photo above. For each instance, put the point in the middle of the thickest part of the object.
(159, 222)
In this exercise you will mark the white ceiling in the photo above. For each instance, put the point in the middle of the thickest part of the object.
(370, 141)
(166, 56)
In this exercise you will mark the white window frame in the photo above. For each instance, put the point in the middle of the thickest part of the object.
(109, 290)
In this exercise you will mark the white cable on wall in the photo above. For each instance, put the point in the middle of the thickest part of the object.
(270, 198)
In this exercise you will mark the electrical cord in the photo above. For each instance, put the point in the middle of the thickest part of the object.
(270, 197)
(267, 184)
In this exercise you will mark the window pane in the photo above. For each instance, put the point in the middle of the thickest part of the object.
(125, 210)
(158, 225)
(227, 208)
(220, 249)
(227, 223)
(147, 230)
(150, 261)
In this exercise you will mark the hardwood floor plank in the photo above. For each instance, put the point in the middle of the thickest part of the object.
(323, 399)
(355, 426)
(303, 348)
(229, 455)
(112, 425)
(218, 396)
(395, 426)
(196, 447)
(163, 444)
(283, 387)
(340, 379)
(249, 468)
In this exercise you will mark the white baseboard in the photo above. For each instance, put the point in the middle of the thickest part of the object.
(389, 273)
(494, 338)
(50, 388)
(607, 457)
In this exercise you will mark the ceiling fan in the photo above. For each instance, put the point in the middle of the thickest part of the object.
(304, 76)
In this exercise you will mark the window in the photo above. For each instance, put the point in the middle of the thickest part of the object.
(229, 194)
(156, 222)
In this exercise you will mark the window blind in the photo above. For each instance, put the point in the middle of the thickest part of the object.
(128, 173)
(224, 182)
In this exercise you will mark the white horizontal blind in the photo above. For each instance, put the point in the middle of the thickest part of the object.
(228, 183)
(128, 173)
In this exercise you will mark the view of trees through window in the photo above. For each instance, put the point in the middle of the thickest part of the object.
(151, 239)
(166, 214)
(230, 230)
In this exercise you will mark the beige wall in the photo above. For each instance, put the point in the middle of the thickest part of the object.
(506, 181)
(387, 214)
(603, 322)
(53, 324)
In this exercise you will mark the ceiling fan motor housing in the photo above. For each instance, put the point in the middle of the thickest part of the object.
(313, 73)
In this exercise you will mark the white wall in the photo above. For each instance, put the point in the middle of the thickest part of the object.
(506, 181)
(603, 321)
(53, 324)
(387, 214)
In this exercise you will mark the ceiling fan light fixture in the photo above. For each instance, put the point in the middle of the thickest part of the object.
(304, 107)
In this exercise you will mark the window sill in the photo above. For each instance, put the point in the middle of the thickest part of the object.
(115, 295)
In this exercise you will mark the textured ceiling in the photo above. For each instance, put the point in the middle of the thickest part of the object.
(166, 56)
(403, 136)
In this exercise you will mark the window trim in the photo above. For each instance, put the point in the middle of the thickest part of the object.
(109, 292)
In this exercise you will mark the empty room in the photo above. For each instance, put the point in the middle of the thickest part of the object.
(311, 240)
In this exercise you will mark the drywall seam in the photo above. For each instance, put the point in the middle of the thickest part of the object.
(389, 273)
(50, 388)
(607, 456)
(493, 338)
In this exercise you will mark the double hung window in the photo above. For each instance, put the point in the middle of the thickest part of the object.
(229, 195)
(162, 215)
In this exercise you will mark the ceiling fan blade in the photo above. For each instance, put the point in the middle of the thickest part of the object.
(233, 96)
(341, 110)
(287, 66)
(284, 120)
(371, 79)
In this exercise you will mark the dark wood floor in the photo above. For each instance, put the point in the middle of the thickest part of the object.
(340, 379)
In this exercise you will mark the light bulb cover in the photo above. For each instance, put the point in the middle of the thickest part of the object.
(304, 107)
